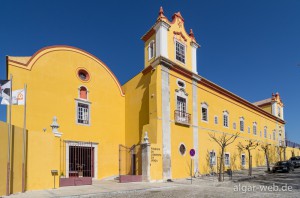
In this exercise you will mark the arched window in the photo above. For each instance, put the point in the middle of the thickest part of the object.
(225, 118)
(242, 124)
(83, 93)
(265, 132)
(151, 50)
(254, 128)
(204, 110)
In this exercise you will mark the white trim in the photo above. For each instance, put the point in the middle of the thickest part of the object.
(254, 125)
(210, 158)
(242, 119)
(77, 101)
(161, 44)
(194, 57)
(265, 132)
(182, 81)
(85, 144)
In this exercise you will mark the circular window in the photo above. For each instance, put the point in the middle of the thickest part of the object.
(83, 75)
(182, 149)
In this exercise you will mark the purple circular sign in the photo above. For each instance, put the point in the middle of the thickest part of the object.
(192, 152)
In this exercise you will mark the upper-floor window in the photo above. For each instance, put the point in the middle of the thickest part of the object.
(83, 107)
(242, 124)
(265, 132)
(151, 49)
(225, 118)
(216, 119)
(254, 128)
(249, 130)
(180, 51)
(279, 112)
(204, 110)
(234, 125)
(212, 158)
(274, 135)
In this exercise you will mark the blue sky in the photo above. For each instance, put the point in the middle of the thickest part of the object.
(249, 47)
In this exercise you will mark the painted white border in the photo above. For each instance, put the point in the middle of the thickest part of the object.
(83, 144)
(216, 158)
(76, 110)
(204, 105)
(151, 42)
(227, 114)
(242, 119)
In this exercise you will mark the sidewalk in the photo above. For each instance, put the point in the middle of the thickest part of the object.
(104, 187)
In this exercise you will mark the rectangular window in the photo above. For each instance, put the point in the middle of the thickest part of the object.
(243, 159)
(83, 113)
(151, 50)
(234, 125)
(216, 119)
(180, 52)
(249, 130)
(227, 159)
(212, 158)
(274, 135)
(204, 114)
(181, 104)
(225, 120)
(241, 125)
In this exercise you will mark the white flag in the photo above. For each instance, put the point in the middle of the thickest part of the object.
(5, 86)
(18, 98)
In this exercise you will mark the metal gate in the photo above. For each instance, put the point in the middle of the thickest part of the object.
(77, 163)
(130, 163)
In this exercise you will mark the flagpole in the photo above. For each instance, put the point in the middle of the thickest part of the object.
(9, 140)
(24, 141)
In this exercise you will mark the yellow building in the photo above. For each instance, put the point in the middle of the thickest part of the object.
(168, 104)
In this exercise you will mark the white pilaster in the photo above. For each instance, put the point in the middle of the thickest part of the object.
(281, 113)
(194, 57)
(274, 108)
(166, 128)
(162, 29)
(195, 126)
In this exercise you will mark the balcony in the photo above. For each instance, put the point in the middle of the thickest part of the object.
(182, 117)
(282, 143)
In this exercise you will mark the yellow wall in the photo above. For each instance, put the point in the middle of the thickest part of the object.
(3, 156)
(52, 87)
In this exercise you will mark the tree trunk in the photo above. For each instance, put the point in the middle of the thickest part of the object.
(221, 165)
(250, 163)
(267, 158)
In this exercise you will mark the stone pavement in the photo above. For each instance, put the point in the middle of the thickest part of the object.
(110, 187)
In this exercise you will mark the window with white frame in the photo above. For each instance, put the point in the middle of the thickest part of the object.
(212, 158)
(227, 159)
(234, 125)
(180, 51)
(260, 133)
(225, 118)
(278, 112)
(83, 111)
(204, 110)
(243, 159)
(249, 130)
(242, 123)
(216, 119)
(254, 128)
(274, 135)
(151, 50)
(265, 132)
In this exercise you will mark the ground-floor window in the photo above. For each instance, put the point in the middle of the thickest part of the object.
(227, 159)
(212, 158)
(243, 160)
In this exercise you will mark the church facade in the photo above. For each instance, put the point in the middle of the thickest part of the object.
(168, 102)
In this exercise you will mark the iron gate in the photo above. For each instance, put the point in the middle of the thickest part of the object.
(77, 163)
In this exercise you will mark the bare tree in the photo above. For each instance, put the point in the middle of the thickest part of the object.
(265, 148)
(223, 141)
(249, 146)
